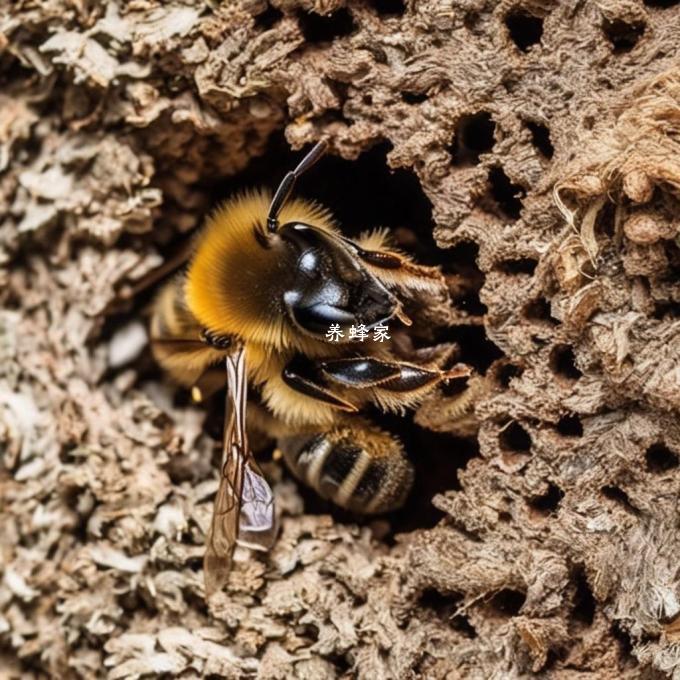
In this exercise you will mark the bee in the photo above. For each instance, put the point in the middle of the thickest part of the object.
(267, 279)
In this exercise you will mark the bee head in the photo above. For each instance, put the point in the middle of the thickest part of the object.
(330, 285)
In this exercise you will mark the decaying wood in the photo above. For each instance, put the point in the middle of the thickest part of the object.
(557, 554)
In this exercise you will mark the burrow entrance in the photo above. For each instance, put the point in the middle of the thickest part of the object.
(365, 194)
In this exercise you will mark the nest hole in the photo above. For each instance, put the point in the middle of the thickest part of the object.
(471, 21)
(446, 607)
(625, 643)
(666, 310)
(366, 193)
(540, 138)
(342, 663)
(13, 71)
(141, 604)
(465, 278)
(524, 29)
(462, 259)
(437, 458)
(506, 373)
(563, 363)
(507, 602)
(75, 499)
(522, 265)
(388, 8)
(622, 35)
(570, 426)
(584, 602)
(471, 303)
(660, 459)
(514, 438)
(317, 29)
(310, 631)
(539, 310)
(414, 97)
(605, 226)
(619, 496)
(474, 136)
(476, 349)
(672, 252)
(547, 503)
(268, 18)
(505, 195)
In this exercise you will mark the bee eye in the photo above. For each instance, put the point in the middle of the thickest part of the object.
(308, 264)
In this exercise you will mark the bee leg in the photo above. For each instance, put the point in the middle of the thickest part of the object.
(358, 372)
(310, 387)
(216, 340)
(355, 465)
(396, 269)
(362, 372)
(379, 258)
(414, 378)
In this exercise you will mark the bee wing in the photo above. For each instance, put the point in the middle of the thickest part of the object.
(244, 505)
(258, 526)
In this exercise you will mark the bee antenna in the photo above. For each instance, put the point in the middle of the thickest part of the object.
(288, 182)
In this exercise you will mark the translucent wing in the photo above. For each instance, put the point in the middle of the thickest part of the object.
(258, 527)
(244, 506)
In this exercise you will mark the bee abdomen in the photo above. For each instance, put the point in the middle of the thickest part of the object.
(358, 467)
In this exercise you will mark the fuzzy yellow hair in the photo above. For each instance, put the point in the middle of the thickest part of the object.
(234, 283)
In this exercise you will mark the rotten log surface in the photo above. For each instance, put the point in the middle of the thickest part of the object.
(546, 137)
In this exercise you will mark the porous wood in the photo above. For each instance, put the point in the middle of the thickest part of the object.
(547, 134)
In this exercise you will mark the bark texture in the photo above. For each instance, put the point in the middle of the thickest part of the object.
(546, 136)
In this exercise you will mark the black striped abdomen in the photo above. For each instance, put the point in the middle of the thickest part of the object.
(356, 466)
